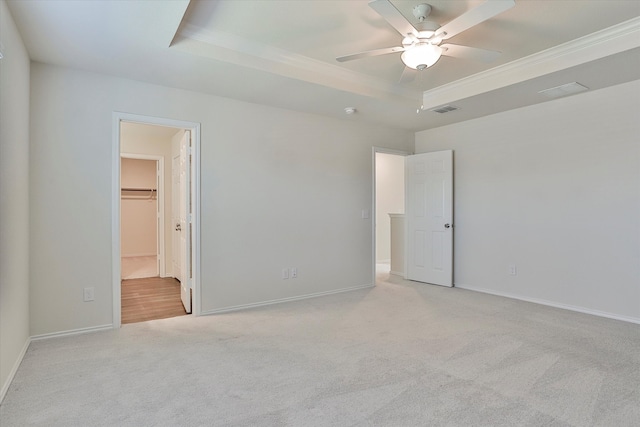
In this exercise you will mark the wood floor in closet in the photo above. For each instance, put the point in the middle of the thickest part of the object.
(150, 298)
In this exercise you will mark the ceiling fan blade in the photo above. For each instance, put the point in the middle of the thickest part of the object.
(473, 53)
(472, 17)
(368, 53)
(393, 17)
(408, 75)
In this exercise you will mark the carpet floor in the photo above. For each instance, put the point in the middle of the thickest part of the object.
(399, 354)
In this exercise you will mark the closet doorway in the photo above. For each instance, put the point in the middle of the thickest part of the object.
(134, 134)
(141, 219)
(149, 287)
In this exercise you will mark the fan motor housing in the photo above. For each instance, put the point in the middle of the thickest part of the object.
(421, 11)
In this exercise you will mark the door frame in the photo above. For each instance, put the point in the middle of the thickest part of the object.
(375, 150)
(194, 127)
(162, 270)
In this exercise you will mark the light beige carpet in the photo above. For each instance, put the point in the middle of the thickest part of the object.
(399, 354)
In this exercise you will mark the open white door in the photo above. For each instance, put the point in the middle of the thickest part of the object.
(176, 238)
(159, 223)
(184, 223)
(429, 217)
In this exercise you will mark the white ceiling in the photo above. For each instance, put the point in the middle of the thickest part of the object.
(282, 53)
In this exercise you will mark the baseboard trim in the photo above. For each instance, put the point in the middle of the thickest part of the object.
(397, 273)
(72, 332)
(282, 300)
(136, 255)
(552, 304)
(14, 370)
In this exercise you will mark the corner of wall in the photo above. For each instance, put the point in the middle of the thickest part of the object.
(15, 73)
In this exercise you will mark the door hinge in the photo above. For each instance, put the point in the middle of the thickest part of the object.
(190, 218)
(190, 151)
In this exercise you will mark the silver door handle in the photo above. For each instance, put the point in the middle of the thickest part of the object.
(178, 227)
(447, 226)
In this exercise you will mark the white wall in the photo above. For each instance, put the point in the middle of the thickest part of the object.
(278, 189)
(555, 190)
(389, 199)
(14, 198)
(138, 210)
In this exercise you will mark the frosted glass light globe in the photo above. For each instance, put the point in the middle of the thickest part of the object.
(421, 54)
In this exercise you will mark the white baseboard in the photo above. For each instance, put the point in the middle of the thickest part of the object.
(553, 304)
(12, 374)
(281, 300)
(397, 273)
(72, 332)
(135, 255)
(383, 261)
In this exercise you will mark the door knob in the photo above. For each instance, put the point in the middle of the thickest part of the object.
(178, 227)
(447, 226)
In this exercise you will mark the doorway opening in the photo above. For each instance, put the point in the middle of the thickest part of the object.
(141, 216)
(155, 218)
(388, 208)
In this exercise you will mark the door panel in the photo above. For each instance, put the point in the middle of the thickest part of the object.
(429, 216)
(175, 218)
(159, 224)
(185, 223)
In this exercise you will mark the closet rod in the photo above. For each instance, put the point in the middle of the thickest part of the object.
(138, 189)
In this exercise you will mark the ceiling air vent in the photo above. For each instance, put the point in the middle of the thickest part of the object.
(563, 90)
(445, 109)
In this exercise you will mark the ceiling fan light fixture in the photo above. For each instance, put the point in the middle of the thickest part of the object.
(421, 55)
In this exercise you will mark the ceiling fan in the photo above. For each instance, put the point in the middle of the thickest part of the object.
(422, 44)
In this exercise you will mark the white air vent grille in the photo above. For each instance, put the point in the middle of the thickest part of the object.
(563, 90)
(445, 109)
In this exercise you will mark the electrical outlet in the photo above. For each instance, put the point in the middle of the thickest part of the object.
(294, 272)
(512, 270)
(285, 273)
(89, 294)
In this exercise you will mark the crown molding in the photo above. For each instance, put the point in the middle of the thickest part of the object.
(612, 40)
